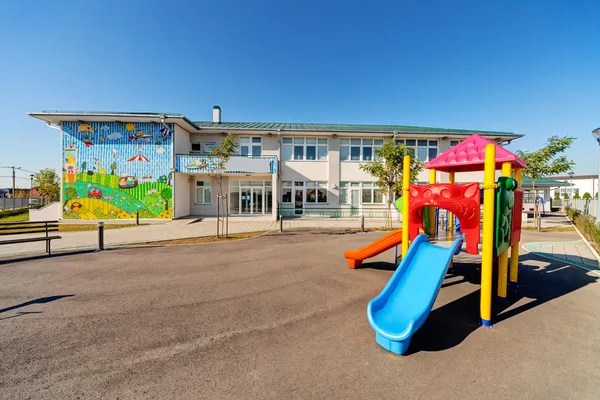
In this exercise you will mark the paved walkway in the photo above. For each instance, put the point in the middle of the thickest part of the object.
(576, 253)
(178, 229)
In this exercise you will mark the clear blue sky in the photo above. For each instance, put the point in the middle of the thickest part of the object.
(530, 67)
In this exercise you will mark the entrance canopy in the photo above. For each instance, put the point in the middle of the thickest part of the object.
(469, 156)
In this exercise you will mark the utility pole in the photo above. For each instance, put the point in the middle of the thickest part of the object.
(13, 178)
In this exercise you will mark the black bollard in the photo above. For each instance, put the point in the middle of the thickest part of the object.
(101, 235)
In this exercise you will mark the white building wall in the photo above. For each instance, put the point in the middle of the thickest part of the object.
(181, 200)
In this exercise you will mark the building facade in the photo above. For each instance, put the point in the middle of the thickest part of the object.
(116, 165)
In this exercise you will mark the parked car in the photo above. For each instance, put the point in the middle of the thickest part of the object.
(95, 192)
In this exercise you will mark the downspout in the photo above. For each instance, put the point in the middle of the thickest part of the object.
(172, 170)
(58, 127)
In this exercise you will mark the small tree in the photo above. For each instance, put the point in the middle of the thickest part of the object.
(47, 183)
(547, 161)
(69, 194)
(576, 196)
(566, 196)
(556, 196)
(166, 194)
(215, 166)
(113, 167)
(587, 196)
(387, 167)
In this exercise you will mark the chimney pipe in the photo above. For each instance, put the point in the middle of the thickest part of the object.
(216, 115)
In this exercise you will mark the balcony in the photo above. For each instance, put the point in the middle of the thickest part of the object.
(196, 164)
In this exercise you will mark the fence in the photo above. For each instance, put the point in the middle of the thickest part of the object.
(317, 212)
(587, 206)
(14, 203)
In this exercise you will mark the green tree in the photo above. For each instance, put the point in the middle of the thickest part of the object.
(215, 166)
(587, 195)
(69, 194)
(166, 194)
(47, 183)
(547, 161)
(576, 196)
(556, 196)
(113, 167)
(387, 166)
(566, 196)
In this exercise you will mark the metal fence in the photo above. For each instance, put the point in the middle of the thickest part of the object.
(587, 206)
(14, 203)
(317, 212)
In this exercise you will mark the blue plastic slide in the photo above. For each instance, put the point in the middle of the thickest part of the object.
(407, 299)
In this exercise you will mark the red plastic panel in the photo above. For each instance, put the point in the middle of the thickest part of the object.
(517, 213)
(460, 199)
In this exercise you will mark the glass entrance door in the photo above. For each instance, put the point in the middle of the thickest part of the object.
(298, 201)
(246, 199)
(257, 200)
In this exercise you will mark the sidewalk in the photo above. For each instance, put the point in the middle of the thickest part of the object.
(575, 252)
(177, 229)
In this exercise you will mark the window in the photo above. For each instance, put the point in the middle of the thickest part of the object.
(312, 192)
(203, 192)
(359, 149)
(196, 147)
(371, 194)
(286, 192)
(316, 192)
(424, 150)
(309, 149)
(454, 142)
(250, 146)
(208, 146)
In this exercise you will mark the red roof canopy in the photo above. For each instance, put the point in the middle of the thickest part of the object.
(469, 155)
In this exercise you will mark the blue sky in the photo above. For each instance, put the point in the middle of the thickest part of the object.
(529, 67)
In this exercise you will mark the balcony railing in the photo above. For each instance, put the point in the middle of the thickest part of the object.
(201, 163)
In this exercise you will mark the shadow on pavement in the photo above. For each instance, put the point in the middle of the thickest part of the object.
(380, 265)
(448, 325)
(41, 300)
(40, 256)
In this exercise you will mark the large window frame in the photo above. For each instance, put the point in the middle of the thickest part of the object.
(304, 149)
(359, 149)
(250, 146)
(368, 190)
(205, 188)
(313, 192)
(424, 149)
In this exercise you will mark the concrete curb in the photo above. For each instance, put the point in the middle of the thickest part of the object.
(585, 240)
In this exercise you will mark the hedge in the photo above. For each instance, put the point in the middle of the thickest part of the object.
(586, 225)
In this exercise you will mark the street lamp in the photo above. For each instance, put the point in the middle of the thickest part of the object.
(596, 134)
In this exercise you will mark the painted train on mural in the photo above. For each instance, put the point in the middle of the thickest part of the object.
(114, 170)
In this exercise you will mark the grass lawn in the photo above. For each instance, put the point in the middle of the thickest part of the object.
(16, 218)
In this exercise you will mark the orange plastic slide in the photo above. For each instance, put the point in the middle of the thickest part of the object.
(356, 257)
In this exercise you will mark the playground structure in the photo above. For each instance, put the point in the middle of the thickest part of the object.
(407, 299)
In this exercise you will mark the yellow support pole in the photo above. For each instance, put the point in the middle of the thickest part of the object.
(514, 250)
(503, 258)
(450, 215)
(432, 220)
(487, 256)
(405, 188)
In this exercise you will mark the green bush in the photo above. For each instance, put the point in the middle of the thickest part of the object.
(556, 196)
(586, 225)
(566, 196)
(587, 195)
(576, 196)
(10, 213)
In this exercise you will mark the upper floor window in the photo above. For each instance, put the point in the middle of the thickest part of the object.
(359, 149)
(196, 147)
(454, 142)
(424, 150)
(250, 146)
(300, 148)
(208, 146)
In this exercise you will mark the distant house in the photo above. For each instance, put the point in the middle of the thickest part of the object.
(5, 193)
(33, 192)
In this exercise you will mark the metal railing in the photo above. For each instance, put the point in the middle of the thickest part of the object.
(319, 212)
(202, 163)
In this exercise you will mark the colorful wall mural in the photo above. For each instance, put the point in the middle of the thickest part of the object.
(113, 170)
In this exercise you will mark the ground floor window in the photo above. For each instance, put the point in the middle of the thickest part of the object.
(529, 195)
(250, 197)
(203, 192)
(369, 193)
(300, 193)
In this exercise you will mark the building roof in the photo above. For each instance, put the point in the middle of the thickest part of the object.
(567, 177)
(56, 117)
(469, 155)
(544, 182)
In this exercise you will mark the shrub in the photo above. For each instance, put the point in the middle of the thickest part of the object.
(586, 225)
(587, 195)
(566, 196)
(576, 196)
(10, 213)
(556, 196)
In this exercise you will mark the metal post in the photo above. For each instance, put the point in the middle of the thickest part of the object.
(218, 212)
(226, 211)
(280, 223)
(598, 190)
(137, 217)
(362, 223)
(101, 235)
